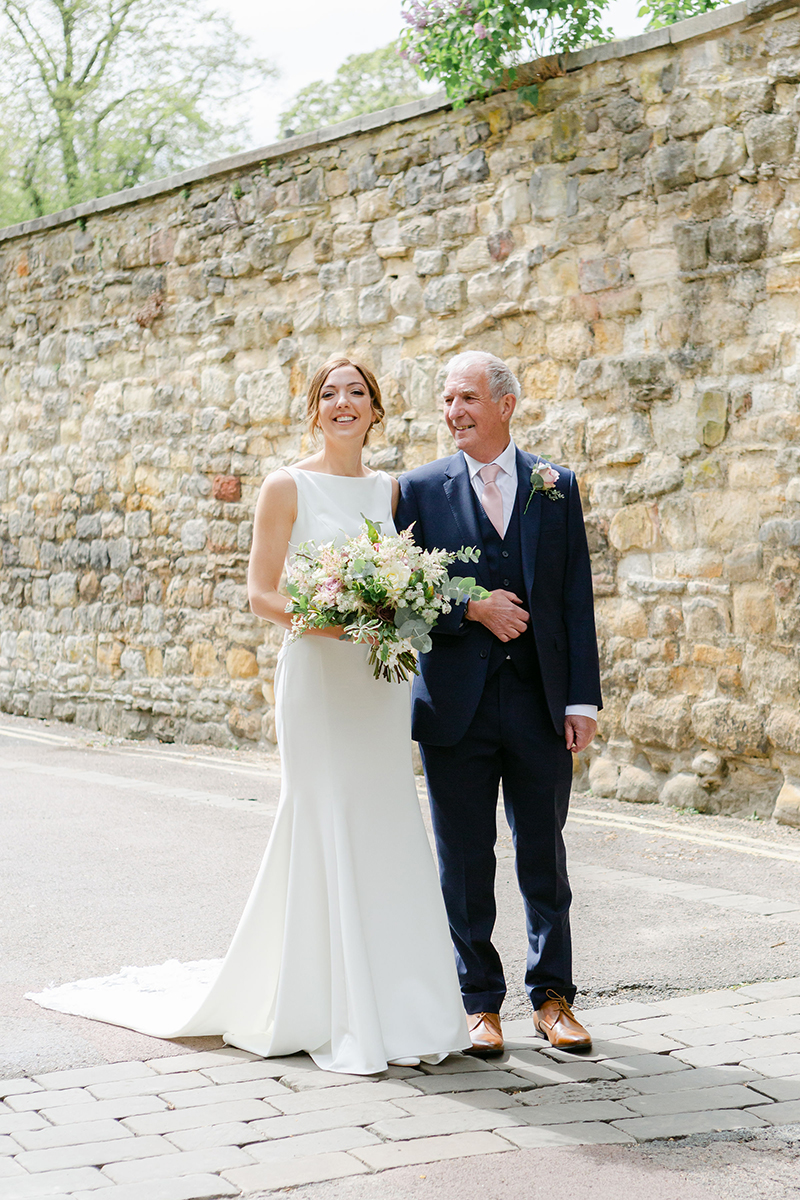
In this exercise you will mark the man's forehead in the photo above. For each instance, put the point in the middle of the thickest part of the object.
(462, 378)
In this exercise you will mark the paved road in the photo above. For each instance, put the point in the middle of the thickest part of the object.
(116, 853)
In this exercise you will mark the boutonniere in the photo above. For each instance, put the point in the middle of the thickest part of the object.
(544, 479)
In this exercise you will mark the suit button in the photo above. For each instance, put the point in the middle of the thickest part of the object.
(484, 653)
(506, 582)
(505, 554)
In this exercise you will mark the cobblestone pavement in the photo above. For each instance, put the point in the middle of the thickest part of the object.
(225, 1123)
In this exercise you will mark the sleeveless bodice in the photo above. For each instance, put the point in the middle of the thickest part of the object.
(330, 507)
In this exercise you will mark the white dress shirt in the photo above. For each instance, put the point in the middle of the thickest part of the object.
(507, 483)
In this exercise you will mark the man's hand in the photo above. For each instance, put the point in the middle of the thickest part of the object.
(579, 731)
(501, 612)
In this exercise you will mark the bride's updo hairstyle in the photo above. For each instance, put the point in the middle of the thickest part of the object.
(318, 382)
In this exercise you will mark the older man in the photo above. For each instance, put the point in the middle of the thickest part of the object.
(508, 693)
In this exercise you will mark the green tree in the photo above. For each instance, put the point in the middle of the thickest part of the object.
(667, 12)
(473, 46)
(363, 83)
(100, 95)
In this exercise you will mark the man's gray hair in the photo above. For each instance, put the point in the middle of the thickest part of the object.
(501, 379)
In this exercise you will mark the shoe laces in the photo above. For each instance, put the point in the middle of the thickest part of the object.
(562, 1002)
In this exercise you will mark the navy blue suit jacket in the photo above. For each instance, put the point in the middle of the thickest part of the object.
(438, 500)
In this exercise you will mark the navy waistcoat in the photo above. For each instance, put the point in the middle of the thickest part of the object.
(503, 557)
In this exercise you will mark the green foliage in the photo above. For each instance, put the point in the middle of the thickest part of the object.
(101, 95)
(667, 12)
(363, 83)
(472, 46)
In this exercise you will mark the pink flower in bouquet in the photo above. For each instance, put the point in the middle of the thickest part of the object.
(549, 475)
(480, 30)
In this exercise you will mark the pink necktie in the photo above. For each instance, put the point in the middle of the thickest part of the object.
(491, 499)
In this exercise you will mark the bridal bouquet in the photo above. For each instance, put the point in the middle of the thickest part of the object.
(381, 589)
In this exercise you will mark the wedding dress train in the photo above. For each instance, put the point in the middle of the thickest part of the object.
(343, 948)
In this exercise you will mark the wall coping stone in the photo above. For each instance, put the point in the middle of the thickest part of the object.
(693, 27)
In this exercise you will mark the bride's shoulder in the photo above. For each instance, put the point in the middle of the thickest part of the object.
(279, 487)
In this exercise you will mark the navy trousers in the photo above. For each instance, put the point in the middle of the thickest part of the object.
(511, 739)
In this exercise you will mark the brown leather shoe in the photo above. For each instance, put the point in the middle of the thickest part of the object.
(556, 1021)
(486, 1034)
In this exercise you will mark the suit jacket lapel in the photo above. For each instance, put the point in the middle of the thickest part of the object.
(530, 521)
(460, 496)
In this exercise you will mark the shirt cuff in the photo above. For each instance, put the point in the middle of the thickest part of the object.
(581, 710)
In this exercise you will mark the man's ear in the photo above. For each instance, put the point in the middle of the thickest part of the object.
(507, 404)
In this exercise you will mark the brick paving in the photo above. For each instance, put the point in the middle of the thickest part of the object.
(223, 1123)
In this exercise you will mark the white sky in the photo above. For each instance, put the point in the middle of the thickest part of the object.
(308, 39)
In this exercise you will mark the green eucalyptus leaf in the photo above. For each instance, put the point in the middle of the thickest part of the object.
(373, 529)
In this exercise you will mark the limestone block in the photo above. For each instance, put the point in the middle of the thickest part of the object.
(267, 395)
(341, 307)
(453, 224)
(373, 305)
(515, 205)
(363, 271)
(430, 262)
(770, 139)
(637, 786)
(547, 192)
(753, 610)
(699, 563)
(405, 295)
(176, 661)
(133, 663)
(597, 274)
(780, 532)
(445, 294)
(137, 524)
(743, 564)
(671, 166)
(729, 725)
(691, 243)
(783, 730)
(705, 618)
(419, 231)
(603, 776)
(659, 722)
(721, 151)
(627, 618)
(484, 288)
(690, 116)
(787, 805)
(194, 534)
(349, 239)
(133, 586)
(712, 418)
(684, 791)
(653, 266)
(736, 239)
(245, 724)
(241, 663)
(634, 527)
(204, 659)
(473, 256)
(624, 113)
(63, 589)
(88, 526)
(569, 341)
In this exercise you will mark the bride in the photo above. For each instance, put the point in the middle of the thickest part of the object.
(343, 948)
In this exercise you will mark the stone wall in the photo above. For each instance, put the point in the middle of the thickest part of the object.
(631, 247)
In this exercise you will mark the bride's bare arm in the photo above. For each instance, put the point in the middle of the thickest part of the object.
(276, 512)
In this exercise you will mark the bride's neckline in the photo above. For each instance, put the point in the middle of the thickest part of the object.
(330, 475)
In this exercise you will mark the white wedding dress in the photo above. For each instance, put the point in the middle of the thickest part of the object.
(343, 948)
